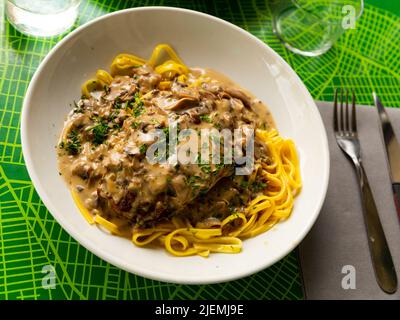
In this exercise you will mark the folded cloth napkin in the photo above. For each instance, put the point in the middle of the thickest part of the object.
(334, 257)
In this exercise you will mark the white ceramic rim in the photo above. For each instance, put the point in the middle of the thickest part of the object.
(120, 263)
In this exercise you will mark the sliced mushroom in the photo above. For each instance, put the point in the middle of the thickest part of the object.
(187, 93)
(181, 189)
(236, 93)
(237, 105)
(207, 94)
(194, 117)
(81, 169)
(181, 104)
(208, 223)
(129, 94)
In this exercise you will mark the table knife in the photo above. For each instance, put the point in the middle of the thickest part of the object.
(392, 151)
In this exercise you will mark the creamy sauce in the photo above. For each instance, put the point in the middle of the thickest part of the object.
(257, 106)
(102, 147)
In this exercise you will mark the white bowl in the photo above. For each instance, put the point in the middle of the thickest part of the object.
(200, 40)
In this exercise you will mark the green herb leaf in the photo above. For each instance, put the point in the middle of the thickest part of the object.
(77, 108)
(117, 103)
(138, 102)
(100, 132)
(203, 191)
(258, 186)
(205, 117)
(166, 131)
(205, 167)
(135, 124)
(193, 182)
(244, 184)
(143, 148)
(218, 167)
(137, 106)
(73, 144)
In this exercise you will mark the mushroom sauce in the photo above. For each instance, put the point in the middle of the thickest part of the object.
(101, 153)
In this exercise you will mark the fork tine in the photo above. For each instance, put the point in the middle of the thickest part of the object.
(353, 113)
(347, 123)
(335, 118)
(341, 121)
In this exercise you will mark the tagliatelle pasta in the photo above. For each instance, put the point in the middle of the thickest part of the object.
(194, 209)
(261, 214)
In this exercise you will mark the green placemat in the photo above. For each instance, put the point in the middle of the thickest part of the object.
(31, 241)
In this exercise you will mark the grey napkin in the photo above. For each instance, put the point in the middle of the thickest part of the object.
(336, 248)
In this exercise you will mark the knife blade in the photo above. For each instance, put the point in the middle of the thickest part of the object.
(392, 151)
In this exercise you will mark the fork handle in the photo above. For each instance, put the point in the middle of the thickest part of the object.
(380, 254)
(396, 195)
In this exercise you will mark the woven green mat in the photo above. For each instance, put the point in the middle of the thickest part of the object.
(30, 239)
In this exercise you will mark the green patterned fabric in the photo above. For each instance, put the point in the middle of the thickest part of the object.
(365, 59)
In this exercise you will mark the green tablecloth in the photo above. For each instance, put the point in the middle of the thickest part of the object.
(365, 59)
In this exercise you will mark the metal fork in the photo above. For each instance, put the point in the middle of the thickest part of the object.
(345, 127)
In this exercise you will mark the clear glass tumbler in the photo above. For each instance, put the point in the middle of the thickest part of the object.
(311, 27)
(43, 18)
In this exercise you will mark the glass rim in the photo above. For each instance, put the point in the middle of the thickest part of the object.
(76, 3)
(298, 5)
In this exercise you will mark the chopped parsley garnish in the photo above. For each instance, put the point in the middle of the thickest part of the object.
(77, 108)
(137, 106)
(205, 117)
(166, 137)
(138, 102)
(137, 111)
(143, 148)
(258, 186)
(166, 131)
(244, 184)
(205, 167)
(73, 144)
(106, 89)
(193, 182)
(100, 132)
(117, 103)
(113, 116)
(135, 124)
(218, 167)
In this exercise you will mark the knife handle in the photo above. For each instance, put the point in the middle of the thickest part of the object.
(379, 249)
(396, 195)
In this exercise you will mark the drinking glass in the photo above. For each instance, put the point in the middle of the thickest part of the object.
(311, 27)
(43, 18)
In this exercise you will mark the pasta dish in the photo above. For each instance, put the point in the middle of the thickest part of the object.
(190, 203)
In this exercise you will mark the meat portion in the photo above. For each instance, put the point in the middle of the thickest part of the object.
(114, 129)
